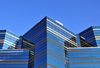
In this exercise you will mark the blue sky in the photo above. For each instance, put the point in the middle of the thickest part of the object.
(19, 16)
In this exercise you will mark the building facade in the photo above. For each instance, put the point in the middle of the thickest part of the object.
(49, 44)
(83, 57)
(8, 39)
(49, 37)
(14, 58)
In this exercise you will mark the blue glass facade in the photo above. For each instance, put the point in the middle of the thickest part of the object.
(8, 39)
(57, 34)
(96, 30)
(87, 36)
(49, 37)
(48, 44)
(26, 44)
(38, 35)
(2, 37)
(91, 35)
(15, 58)
(78, 40)
(83, 57)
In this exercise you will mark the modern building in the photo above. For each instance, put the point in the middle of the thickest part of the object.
(14, 58)
(92, 35)
(26, 44)
(49, 44)
(49, 37)
(8, 39)
(83, 57)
